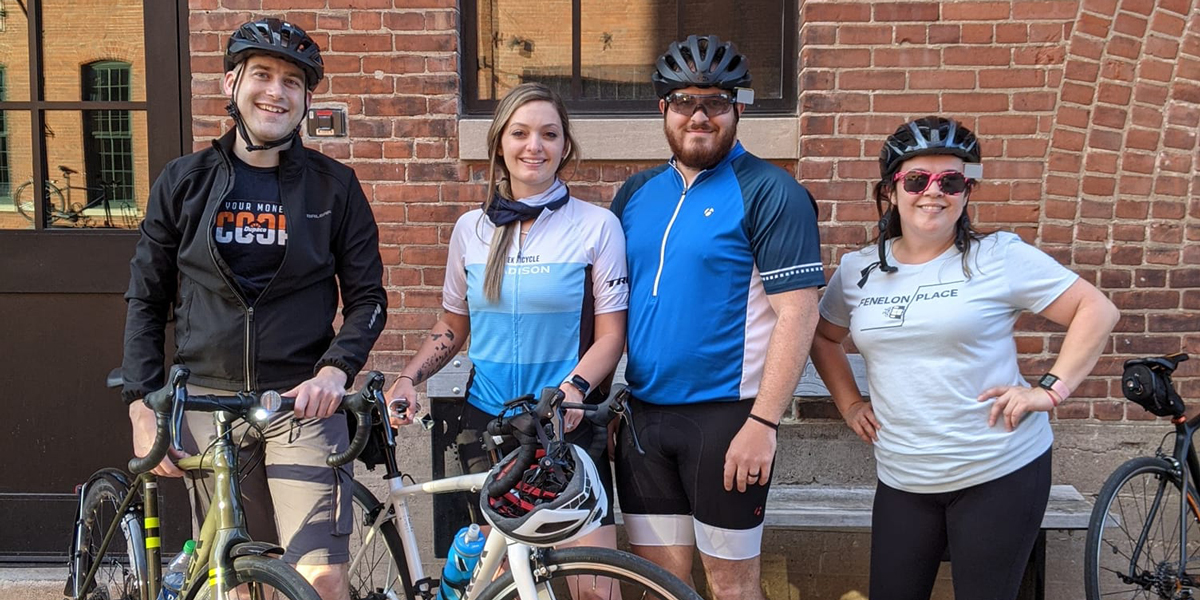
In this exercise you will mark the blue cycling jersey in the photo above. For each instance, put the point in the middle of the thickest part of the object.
(702, 260)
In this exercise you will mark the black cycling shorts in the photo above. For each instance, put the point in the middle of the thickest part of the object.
(675, 494)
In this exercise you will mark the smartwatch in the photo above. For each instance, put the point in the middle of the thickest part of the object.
(1051, 382)
(580, 384)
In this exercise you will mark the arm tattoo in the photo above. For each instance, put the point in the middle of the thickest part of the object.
(440, 358)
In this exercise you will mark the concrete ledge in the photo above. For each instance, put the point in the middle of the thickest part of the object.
(642, 139)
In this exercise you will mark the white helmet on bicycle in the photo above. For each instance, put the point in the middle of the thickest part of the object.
(548, 506)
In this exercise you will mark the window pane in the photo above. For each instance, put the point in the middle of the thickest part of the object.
(14, 51)
(755, 26)
(618, 48)
(114, 32)
(521, 41)
(620, 40)
(16, 165)
(98, 168)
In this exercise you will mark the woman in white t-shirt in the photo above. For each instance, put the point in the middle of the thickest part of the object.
(537, 279)
(962, 441)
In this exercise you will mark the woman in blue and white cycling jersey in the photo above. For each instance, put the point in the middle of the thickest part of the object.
(537, 279)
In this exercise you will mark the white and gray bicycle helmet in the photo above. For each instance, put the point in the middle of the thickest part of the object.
(547, 506)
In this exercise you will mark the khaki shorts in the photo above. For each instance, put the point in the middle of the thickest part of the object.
(290, 496)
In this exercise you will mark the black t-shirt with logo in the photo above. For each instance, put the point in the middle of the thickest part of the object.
(251, 230)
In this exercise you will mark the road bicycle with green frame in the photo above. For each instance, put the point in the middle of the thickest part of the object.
(116, 547)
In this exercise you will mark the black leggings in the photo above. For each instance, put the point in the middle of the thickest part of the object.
(989, 530)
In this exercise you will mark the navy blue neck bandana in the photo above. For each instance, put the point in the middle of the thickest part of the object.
(503, 211)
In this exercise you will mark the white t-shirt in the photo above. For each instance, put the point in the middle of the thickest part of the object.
(933, 340)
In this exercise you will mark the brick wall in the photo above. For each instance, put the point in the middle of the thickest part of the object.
(1088, 110)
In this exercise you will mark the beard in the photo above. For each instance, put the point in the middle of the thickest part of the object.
(697, 155)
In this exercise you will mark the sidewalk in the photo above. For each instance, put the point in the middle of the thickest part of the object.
(32, 583)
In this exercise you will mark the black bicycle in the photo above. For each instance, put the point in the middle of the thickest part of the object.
(1143, 539)
(62, 210)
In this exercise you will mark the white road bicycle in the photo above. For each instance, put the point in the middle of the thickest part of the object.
(386, 564)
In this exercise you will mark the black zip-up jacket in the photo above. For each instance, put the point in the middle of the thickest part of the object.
(286, 335)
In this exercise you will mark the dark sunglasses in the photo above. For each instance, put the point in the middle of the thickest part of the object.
(686, 104)
(916, 181)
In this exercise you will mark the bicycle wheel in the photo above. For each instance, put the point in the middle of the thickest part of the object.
(268, 579)
(1134, 539)
(570, 574)
(23, 198)
(122, 570)
(380, 570)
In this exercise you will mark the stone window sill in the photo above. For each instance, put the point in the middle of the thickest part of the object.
(642, 139)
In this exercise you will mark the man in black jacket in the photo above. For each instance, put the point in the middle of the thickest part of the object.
(252, 241)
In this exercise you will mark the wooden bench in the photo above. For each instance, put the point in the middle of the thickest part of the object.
(795, 507)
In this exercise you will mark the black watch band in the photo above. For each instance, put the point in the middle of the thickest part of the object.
(580, 384)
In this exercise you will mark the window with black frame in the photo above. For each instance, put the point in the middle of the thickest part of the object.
(108, 134)
(75, 115)
(599, 54)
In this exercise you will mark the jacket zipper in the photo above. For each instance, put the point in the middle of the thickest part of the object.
(213, 252)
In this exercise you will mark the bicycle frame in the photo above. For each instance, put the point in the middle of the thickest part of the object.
(224, 525)
(225, 522)
(495, 549)
(1188, 471)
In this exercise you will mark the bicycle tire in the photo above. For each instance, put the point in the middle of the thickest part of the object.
(382, 569)
(260, 571)
(639, 578)
(1140, 500)
(117, 577)
(24, 202)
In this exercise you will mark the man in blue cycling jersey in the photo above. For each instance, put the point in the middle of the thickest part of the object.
(724, 265)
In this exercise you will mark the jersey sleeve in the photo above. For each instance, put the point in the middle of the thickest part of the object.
(610, 277)
(782, 225)
(833, 301)
(1035, 279)
(454, 285)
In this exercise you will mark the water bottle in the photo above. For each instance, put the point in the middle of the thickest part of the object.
(460, 562)
(176, 572)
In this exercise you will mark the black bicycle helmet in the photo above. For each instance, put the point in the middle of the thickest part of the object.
(702, 61)
(276, 38)
(924, 136)
(547, 506)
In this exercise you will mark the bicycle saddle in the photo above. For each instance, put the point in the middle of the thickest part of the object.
(67, 170)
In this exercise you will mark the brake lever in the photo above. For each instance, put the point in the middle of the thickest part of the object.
(625, 411)
(384, 410)
(178, 399)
